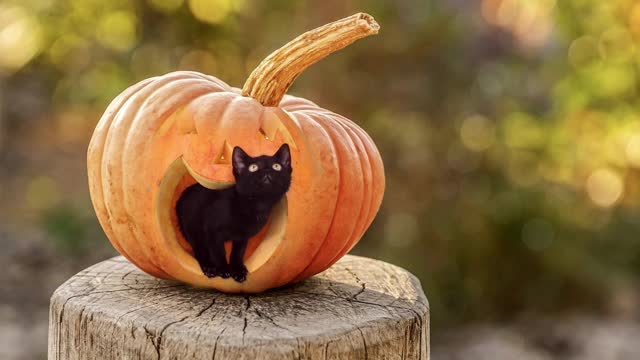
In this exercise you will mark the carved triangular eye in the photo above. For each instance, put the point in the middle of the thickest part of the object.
(263, 134)
(273, 129)
(269, 127)
(224, 155)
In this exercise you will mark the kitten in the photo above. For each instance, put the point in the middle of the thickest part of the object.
(208, 218)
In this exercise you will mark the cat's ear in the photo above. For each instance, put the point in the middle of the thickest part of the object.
(283, 156)
(240, 159)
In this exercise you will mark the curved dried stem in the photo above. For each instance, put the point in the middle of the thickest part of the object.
(269, 82)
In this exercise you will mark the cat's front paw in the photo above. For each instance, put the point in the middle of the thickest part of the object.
(239, 273)
(209, 271)
(212, 271)
(224, 273)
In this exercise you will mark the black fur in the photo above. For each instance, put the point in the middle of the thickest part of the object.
(208, 218)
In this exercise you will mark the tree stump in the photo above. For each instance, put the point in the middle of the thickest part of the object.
(358, 309)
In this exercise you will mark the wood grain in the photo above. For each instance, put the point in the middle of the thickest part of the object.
(358, 309)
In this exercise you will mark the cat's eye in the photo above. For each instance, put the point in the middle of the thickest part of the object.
(253, 168)
(276, 167)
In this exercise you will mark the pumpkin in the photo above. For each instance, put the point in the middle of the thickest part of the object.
(166, 133)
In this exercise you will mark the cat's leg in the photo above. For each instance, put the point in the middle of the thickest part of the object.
(217, 253)
(238, 269)
(201, 253)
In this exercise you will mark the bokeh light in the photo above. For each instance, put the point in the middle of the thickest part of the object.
(604, 187)
(616, 44)
(20, 37)
(70, 52)
(634, 19)
(521, 130)
(477, 133)
(529, 21)
(117, 30)
(633, 150)
(583, 51)
(211, 11)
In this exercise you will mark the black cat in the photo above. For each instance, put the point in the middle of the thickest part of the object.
(208, 218)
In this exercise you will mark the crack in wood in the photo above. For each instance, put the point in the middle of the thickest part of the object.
(244, 329)
(213, 302)
(270, 319)
(360, 282)
(361, 301)
(158, 344)
(215, 346)
(298, 352)
(364, 342)
(127, 274)
(326, 349)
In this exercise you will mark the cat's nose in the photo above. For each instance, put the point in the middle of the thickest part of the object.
(266, 179)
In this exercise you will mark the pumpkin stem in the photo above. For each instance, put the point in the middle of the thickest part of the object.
(269, 82)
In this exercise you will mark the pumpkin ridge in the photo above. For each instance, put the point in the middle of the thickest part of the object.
(224, 104)
(337, 135)
(291, 103)
(161, 118)
(364, 215)
(224, 117)
(377, 178)
(349, 126)
(169, 122)
(165, 128)
(209, 78)
(123, 124)
(137, 156)
(106, 186)
(310, 121)
(97, 147)
(366, 189)
(364, 224)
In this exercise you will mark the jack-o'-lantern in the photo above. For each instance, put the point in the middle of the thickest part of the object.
(166, 133)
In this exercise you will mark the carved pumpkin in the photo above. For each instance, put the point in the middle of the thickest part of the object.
(165, 133)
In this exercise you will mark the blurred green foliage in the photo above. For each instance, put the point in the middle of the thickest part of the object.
(510, 129)
(72, 230)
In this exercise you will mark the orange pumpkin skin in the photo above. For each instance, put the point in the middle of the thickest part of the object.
(337, 185)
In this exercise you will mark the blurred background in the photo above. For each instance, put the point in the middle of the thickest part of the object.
(510, 131)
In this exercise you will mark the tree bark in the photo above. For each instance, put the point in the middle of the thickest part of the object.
(358, 309)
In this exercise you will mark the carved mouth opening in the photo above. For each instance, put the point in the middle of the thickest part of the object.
(180, 176)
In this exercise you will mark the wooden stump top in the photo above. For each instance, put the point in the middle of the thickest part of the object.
(358, 309)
